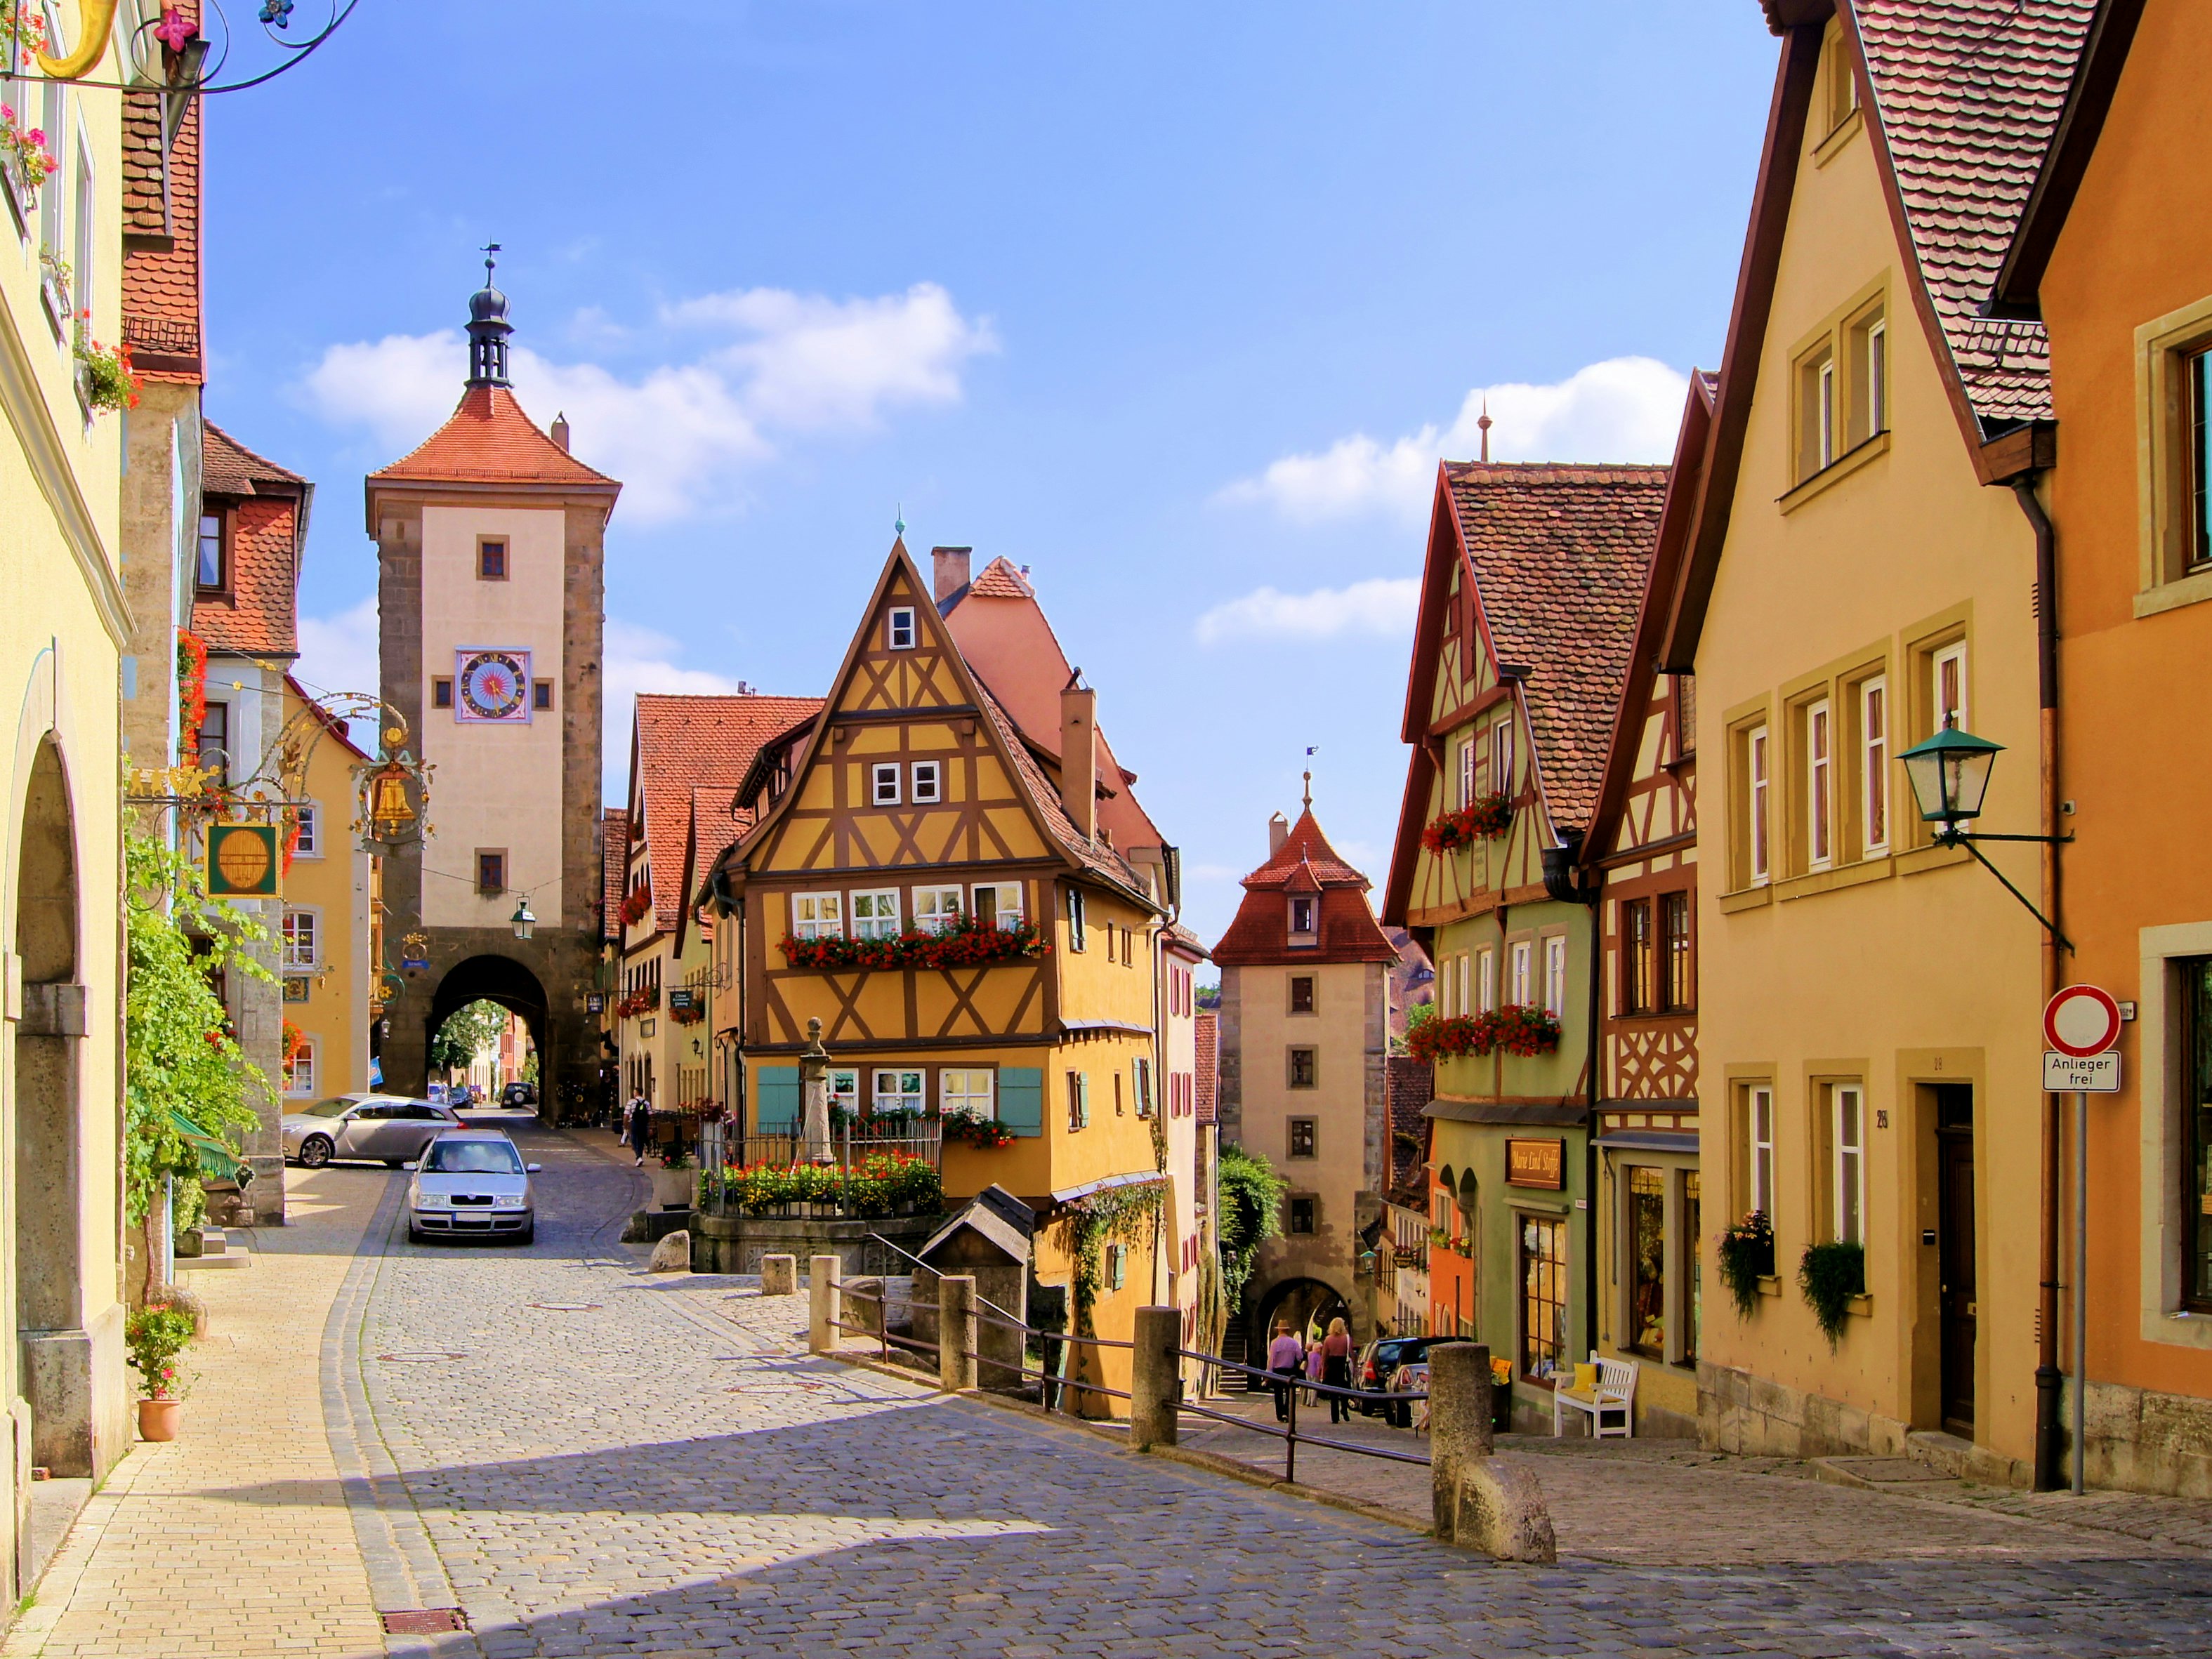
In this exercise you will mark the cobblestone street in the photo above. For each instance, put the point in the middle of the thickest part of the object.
(588, 1461)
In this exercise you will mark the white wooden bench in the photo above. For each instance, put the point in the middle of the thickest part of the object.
(1615, 1393)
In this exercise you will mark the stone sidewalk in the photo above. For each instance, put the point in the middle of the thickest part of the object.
(161, 1564)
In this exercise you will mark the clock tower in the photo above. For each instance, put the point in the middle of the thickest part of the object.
(490, 545)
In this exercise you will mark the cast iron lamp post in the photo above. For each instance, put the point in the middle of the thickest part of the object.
(1950, 773)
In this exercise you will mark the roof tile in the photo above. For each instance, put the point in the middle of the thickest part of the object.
(1305, 863)
(489, 439)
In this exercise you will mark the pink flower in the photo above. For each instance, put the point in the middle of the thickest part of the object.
(36, 136)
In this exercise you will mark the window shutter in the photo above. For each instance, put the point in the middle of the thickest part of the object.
(776, 1093)
(1021, 1099)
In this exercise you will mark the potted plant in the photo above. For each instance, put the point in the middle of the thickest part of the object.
(672, 1181)
(1747, 1252)
(1830, 1275)
(154, 1337)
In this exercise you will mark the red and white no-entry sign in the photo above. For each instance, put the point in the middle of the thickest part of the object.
(2081, 1020)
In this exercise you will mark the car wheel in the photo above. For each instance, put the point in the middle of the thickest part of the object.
(315, 1151)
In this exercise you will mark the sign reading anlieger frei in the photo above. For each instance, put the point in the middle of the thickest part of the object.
(491, 686)
(2080, 1026)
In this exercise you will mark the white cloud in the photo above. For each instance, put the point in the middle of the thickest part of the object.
(682, 436)
(338, 653)
(1626, 408)
(1382, 604)
(634, 659)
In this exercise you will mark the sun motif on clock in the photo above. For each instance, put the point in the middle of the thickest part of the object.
(491, 685)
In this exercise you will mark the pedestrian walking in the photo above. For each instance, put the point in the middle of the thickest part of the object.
(1336, 1368)
(1313, 1366)
(1284, 1354)
(640, 1128)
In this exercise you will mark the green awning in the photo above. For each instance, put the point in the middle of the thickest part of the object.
(217, 1161)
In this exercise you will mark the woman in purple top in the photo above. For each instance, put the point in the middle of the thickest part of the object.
(1285, 1354)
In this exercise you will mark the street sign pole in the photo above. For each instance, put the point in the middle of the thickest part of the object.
(2080, 1024)
(2080, 1282)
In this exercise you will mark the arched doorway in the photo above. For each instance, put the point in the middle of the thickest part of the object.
(47, 1174)
(1300, 1301)
(500, 979)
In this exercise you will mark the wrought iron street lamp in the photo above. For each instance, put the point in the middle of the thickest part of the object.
(1950, 773)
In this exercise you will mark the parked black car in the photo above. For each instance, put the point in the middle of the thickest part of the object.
(1379, 1361)
(517, 1094)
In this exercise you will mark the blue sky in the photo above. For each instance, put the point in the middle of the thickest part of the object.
(1176, 305)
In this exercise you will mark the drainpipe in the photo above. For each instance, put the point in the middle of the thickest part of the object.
(1566, 881)
(2050, 1434)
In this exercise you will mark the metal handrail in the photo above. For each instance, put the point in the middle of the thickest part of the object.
(982, 1300)
(1294, 1382)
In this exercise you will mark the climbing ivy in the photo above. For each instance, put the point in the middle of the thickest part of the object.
(1251, 1213)
(1089, 1222)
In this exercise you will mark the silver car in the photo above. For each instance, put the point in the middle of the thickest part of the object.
(386, 1128)
(472, 1184)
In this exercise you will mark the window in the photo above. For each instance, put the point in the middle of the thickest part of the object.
(1140, 1085)
(1869, 337)
(845, 1091)
(2196, 1160)
(1520, 956)
(1818, 780)
(1816, 411)
(441, 694)
(491, 559)
(1302, 916)
(884, 784)
(302, 932)
(1501, 757)
(1304, 1214)
(1636, 957)
(213, 741)
(1759, 1102)
(936, 908)
(899, 630)
(876, 915)
(1486, 977)
(2198, 444)
(897, 1090)
(1467, 784)
(998, 904)
(1693, 1270)
(1302, 994)
(1678, 990)
(1113, 1266)
(541, 694)
(1305, 1131)
(1543, 1298)
(1449, 970)
(1555, 975)
(55, 122)
(1759, 866)
(1075, 934)
(1874, 766)
(1646, 1237)
(1304, 1068)
(928, 779)
(1079, 1100)
(491, 871)
(307, 823)
(84, 283)
(212, 574)
(300, 1071)
(1948, 686)
(1850, 1132)
(818, 915)
(1843, 85)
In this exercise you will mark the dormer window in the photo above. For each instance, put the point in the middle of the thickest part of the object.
(898, 631)
(1302, 918)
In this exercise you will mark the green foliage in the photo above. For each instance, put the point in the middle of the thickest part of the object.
(1209, 997)
(1830, 1275)
(154, 1337)
(1747, 1252)
(1251, 1213)
(882, 1184)
(179, 1056)
(1418, 1014)
(466, 1033)
(1090, 1222)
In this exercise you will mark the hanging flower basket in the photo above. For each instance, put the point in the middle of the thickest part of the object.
(23, 151)
(1521, 1028)
(1485, 819)
(691, 1015)
(104, 371)
(967, 942)
(985, 1133)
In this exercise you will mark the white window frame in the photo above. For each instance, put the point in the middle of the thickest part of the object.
(876, 914)
(310, 844)
(1079, 1100)
(1141, 1085)
(1467, 751)
(1313, 916)
(1555, 975)
(968, 1091)
(1877, 371)
(1520, 971)
(901, 632)
(1502, 757)
(1486, 977)
(1077, 936)
(844, 1088)
(1848, 1129)
(1446, 968)
(1873, 765)
(1006, 907)
(293, 958)
(84, 238)
(928, 783)
(826, 920)
(884, 788)
(910, 1090)
(1827, 413)
(1759, 1107)
(1758, 758)
(299, 1080)
(1954, 656)
(1819, 784)
(936, 910)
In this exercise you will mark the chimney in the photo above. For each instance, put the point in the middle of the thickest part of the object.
(1078, 754)
(561, 430)
(1279, 831)
(951, 572)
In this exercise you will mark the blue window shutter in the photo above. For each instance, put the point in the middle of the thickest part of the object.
(775, 1099)
(1021, 1099)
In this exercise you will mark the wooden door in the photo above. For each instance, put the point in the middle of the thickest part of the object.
(1954, 1155)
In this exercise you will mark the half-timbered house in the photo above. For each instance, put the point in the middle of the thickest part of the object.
(1641, 854)
(940, 890)
(1528, 599)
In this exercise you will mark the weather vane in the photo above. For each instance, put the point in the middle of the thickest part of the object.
(488, 250)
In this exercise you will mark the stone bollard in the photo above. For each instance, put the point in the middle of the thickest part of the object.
(1154, 1368)
(1459, 1421)
(956, 1333)
(672, 1254)
(779, 1275)
(821, 1276)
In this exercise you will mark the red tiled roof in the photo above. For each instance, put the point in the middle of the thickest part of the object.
(227, 467)
(1207, 1026)
(1409, 1084)
(489, 439)
(1968, 94)
(259, 614)
(1098, 858)
(1560, 554)
(1304, 863)
(688, 744)
(614, 865)
(161, 310)
(1001, 581)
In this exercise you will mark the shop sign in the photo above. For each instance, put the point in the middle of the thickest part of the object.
(595, 1003)
(680, 999)
(1536, 1164)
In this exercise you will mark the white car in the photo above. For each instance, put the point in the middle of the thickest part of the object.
(471, 1183)
(386, 1128)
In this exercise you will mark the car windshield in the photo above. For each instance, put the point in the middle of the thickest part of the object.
(473, 1157)
(336, 1106)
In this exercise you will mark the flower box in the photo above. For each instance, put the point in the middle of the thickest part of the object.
(1521, 1028)
(966, 943)
(1486, 819)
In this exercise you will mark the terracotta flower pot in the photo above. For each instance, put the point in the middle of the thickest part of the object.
(157, 1418)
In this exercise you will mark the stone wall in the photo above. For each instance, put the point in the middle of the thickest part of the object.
(735, 1244)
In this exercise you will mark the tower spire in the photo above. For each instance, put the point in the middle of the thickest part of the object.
(488, 328)
(1484, 424)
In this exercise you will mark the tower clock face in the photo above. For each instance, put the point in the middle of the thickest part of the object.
(492, 685)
